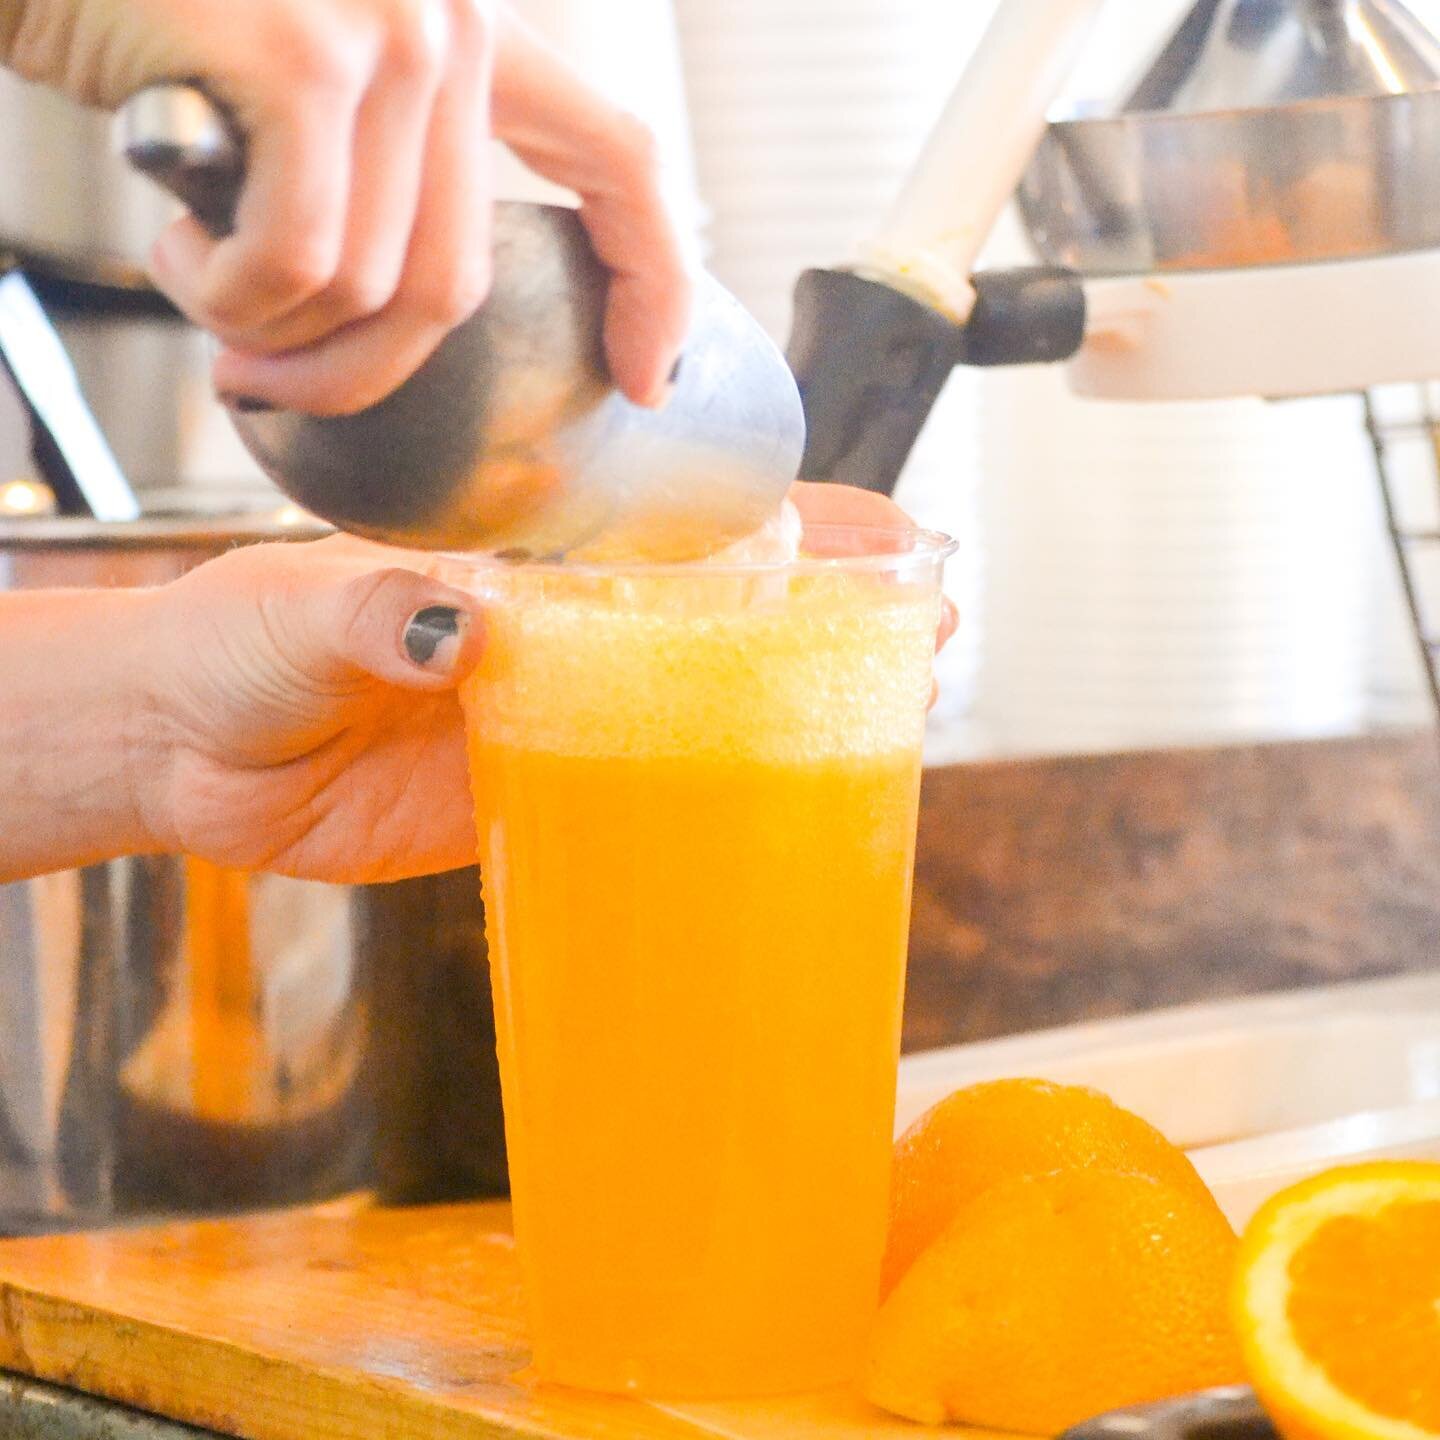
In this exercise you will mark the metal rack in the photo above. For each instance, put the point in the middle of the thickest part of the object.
(1410, 541)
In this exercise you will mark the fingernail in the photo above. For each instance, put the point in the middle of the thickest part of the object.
(664, 390)
(246, 404)
(432, 637)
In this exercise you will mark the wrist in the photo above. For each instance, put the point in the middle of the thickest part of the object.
(144, 730)
(19, 19)
(11, 16)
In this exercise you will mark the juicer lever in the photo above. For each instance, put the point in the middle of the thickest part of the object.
(872, 360)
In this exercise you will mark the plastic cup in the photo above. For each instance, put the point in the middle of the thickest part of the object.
(696, 793)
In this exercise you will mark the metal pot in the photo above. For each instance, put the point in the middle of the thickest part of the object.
(174, 1037)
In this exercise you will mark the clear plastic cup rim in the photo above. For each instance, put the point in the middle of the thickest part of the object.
(910, 546)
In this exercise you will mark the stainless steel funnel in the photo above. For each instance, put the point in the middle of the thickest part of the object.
(512, 436)
(1264, 132)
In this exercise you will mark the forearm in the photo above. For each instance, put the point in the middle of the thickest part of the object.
(79, 746)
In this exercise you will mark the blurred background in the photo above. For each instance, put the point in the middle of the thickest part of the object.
(1130, 576)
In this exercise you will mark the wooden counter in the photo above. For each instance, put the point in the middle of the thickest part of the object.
(339, 1323)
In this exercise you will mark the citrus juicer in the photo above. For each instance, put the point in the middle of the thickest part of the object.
(1255, 212)
(512, 435)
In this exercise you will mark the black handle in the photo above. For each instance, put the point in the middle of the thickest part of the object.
(1033, 315)
(871, 361)
(189, 143)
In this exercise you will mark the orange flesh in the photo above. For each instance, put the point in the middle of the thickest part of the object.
(1379, 1342)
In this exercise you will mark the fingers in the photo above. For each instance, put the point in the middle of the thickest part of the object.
(843, 520)
(821, 503)
(647, 311)
(355, 368)
(571, 134)
(826, 504)
(289, 228)
(446, 268)
(388, 161)
(363, 233)
(949, 623)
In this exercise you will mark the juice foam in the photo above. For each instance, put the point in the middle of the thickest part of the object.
(781, 669)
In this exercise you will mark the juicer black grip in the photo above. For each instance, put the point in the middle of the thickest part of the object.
(871, 360)
(1033, 315)
(190, 144)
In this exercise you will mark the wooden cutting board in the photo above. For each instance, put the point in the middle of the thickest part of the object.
(338, 1323)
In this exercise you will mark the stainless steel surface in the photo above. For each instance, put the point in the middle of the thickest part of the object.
(72, 209)
(1229, 1414)
(182, 138)
(51, 544)
(185, 118)
(175, 1037)
(511, 436)
(1256, 54)
(67, 196)
(1266, 132)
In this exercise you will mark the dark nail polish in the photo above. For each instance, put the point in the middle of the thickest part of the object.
(428, 630)
(675, 369)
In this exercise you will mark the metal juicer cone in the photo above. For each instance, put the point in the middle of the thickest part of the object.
(1264, 132)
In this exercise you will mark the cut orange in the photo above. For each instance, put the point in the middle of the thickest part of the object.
(1005, 1129)
(1052, 1298)
(1337, 1304)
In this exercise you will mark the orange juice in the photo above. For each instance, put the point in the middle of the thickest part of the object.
(696, 799)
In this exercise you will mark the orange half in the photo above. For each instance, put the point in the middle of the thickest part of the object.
(1337, 1304)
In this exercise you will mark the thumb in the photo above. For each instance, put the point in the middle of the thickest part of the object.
(401, 627)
